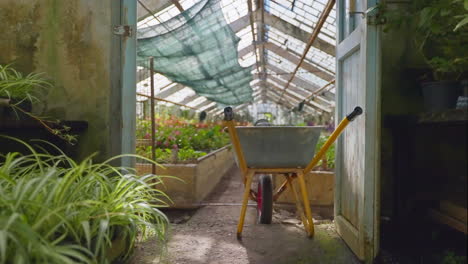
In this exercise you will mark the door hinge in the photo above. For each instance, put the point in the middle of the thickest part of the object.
(123, 30)
(373, 16)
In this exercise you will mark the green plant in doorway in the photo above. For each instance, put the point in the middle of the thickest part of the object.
(328, 161)
(439, 33)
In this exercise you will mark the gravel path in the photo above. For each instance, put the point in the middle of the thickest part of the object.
(208, 235)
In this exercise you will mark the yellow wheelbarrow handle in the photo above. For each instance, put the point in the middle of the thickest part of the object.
(350, 117)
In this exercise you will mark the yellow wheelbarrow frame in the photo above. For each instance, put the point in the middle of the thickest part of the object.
(289, 173)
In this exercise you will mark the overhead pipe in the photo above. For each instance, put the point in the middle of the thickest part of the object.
(323, 88)
(167, 101)
(313, 37)
(251, 21)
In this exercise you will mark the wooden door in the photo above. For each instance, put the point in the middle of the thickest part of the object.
(357, 171)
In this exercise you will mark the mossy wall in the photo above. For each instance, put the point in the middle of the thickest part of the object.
(71, 41)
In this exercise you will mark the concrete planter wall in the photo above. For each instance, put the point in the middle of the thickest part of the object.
(320, 185)
(199, 179)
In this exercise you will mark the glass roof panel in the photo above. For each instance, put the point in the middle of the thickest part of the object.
(303, 14)
(180, 95)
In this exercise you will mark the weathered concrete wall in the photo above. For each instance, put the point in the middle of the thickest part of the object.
(71, 42)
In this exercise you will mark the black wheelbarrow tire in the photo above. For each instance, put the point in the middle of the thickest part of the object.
(265, 199)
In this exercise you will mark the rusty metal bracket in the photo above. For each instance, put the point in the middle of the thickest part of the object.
(123, 30)
(373, 15)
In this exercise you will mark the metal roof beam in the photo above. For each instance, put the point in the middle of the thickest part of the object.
(292, 57)
(313, 38)
(313, 104)
(292, 102)
(289, 55)
(191, 98)
(204, 104)
(154, 6)
(284, 27)
(302, 92)
(171, 90)
(261, 39)
(300, 83)
(297, 33)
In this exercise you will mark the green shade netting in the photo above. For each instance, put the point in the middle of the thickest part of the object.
(198, 49)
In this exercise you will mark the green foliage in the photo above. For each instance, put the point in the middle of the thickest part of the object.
(438, 33)
(54, 210)
(192, 139)
(190, 154)
(14, 84)
(451, 258)
(329, 155)
(164, 155)
(463, 18)
(19, 88)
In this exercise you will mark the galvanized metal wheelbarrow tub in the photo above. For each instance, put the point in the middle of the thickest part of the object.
(278, 150)
(278, 146)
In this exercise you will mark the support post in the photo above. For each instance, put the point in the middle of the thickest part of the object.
(153, 122)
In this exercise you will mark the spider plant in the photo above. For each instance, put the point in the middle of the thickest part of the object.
(20, 91)
(55, 210)
(15, 85)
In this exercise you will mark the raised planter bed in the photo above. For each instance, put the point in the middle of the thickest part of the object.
(198, 179)
(320, 185)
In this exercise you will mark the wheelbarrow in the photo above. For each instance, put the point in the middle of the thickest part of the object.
(278, 150)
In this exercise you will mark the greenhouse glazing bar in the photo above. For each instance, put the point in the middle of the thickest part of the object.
(315, 33)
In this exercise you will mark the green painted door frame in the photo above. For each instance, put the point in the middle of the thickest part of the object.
(129, 18)
(122, 113)
(357, 180)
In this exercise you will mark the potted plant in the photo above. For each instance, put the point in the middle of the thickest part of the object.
(18, 91)
(441, 38)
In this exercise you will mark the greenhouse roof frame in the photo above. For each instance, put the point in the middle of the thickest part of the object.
(273, 37)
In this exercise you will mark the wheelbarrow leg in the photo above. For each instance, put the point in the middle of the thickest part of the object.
(245, 199)
(305, 198)
(300, 209)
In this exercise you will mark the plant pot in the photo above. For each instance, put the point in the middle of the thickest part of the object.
(441, 95)
(9, 113)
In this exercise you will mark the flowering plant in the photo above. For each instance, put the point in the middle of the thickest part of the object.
(192, 139)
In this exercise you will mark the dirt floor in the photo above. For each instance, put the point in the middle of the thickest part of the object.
(208, 235)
